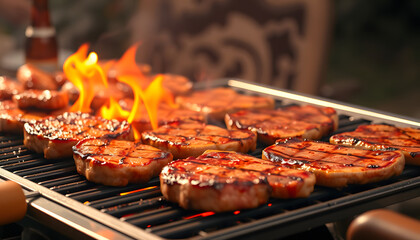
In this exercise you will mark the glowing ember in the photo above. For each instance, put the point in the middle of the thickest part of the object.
(85, 74)
(138, 190)
(204, 214)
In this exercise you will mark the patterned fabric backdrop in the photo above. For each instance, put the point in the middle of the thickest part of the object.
(255, 40)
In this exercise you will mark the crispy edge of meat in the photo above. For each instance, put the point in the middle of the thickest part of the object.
(303, 188)
(11, 126)
(268, 139)
(211, 112)
(14, 124)
(344, 178)
(360, 144)
(9, 87)
(49, 148)
(118, 175)
(32, 77)
(46, 100)
(55, 149)
(184, 151)
(229, 198)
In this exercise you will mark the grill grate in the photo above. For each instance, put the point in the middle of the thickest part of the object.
(142, 205)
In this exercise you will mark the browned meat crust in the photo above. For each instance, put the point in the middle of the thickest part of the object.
(12, 118)
(117, 162)
(226, 181)
(334, 165)
(55, 136)
(383, 137)
(165, 115)
(184, 139)
(32, 77)
(306, 121)
(176, 84)
(8, 88)
(112, 70)
(215, 103)
(42, 99)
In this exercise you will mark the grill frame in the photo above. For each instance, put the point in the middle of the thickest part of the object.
(78, 219)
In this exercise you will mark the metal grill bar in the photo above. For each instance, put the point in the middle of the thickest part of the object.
(133, 207)
(14, 164)
(61, 181)
(72, 187)
(53, 173)
(101, 192)
(118, 200)
(153, 217)
(40, 169)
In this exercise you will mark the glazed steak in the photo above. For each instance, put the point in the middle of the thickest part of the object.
(8, 88)
(165, 115)
(118, 162)
(308, 122)
(191, 138)
(42, 99)
(226, 181)
(215, 103)
(55, 136)
(333, 165)
(383, 137)
(12, 118)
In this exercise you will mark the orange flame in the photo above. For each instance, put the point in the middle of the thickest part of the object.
(130, 74)
(114, 110)
(85, 74)
(150, 98)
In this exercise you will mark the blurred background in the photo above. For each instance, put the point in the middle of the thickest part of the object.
(369, 55)
(375, 52)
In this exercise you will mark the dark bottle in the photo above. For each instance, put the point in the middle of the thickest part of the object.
(41, 43)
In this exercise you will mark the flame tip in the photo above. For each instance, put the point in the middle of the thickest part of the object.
(83, 70)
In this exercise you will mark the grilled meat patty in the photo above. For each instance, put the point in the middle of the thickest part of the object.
(42, 99)
(184, 139)
(32, 77)
(176, 84)
(55, 136)
(118, 162)
(226, 181)
(12, 118)
(334, 165)
(215, 103)
(306, 121)
(383, 137)
(8, 88)
(165, 115)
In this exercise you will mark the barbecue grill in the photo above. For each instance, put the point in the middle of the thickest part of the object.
(58, 196)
